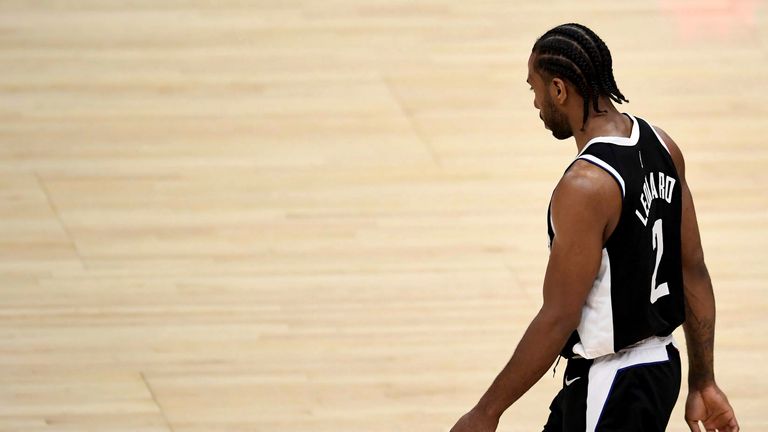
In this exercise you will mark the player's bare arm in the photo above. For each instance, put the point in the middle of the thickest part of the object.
(706, 402)
(586, 206)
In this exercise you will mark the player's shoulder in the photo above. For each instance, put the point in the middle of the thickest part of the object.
(586, 196)
(584, 181)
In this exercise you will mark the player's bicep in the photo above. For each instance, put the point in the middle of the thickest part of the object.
(571, 270)
(580, 212)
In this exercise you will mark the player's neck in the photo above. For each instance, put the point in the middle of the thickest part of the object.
(610, 122)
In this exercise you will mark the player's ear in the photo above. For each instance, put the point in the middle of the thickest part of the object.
(558, 91)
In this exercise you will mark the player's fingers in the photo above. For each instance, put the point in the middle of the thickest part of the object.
(693, 425)
(730, 426)
(708, 426)
(720, 421)
(733, 426)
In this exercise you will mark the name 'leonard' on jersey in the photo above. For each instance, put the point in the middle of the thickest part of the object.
(638, 291)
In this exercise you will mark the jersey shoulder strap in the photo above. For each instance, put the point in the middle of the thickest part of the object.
(603, 156)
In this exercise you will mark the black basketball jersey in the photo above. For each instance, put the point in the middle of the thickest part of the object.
(638, 291)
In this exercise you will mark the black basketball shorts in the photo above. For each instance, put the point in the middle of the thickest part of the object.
(632, 390)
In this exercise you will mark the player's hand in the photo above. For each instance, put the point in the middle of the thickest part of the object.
(476, 421)
(710, 405)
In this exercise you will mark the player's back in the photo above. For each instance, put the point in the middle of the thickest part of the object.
(638, 291)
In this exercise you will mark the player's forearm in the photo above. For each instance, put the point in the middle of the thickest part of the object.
(535, 353)
(699, 326)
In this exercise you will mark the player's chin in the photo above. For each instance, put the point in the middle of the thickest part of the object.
(561, 135)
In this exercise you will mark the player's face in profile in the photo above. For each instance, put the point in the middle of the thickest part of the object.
(554, 119)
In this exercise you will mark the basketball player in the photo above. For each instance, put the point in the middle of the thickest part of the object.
(625, 267)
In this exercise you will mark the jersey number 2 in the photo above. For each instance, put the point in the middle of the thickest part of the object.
(657, 241)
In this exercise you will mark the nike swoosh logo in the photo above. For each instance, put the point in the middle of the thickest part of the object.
(569, 382)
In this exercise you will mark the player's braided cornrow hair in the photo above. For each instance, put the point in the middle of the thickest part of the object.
(575, 53)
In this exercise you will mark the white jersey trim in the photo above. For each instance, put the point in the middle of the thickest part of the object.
(634, 136)
(608, 168)
(596, 326)
(603, 372)
(552, 222)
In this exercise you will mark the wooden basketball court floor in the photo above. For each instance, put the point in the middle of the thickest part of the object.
(330, 215)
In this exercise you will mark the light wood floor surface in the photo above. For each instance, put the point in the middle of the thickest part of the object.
(320, 216)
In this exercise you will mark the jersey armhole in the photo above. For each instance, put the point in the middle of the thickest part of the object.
(607, 168)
